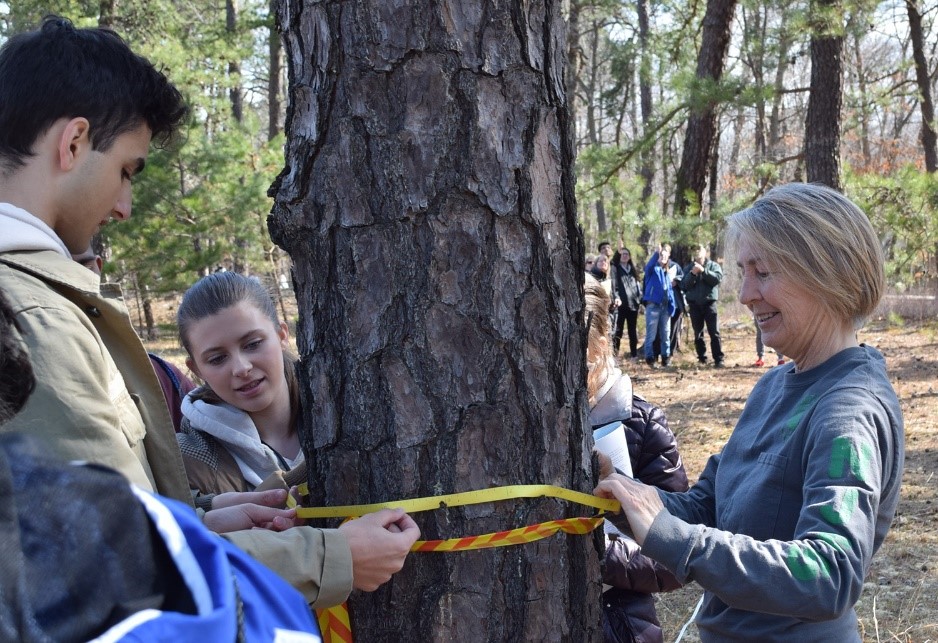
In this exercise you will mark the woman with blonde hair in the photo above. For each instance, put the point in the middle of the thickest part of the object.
(781, 527)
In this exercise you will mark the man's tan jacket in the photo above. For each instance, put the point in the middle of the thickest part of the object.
(97, 399)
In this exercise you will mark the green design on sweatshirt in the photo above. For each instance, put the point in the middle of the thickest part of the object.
(836, 541)
(800, 409)
(847, 457)
(848, 503)
(805, 564)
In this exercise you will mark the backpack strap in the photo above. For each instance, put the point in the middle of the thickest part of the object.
(169, 372)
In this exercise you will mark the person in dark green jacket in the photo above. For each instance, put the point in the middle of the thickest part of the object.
(701, 285)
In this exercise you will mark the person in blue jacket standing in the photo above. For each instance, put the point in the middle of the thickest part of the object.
(659, 303)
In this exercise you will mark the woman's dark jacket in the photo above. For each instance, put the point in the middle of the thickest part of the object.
(627, 286)
(628, 606)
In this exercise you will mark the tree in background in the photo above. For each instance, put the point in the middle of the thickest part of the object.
(822, 127)
(202, 204)
(702, 122)
(632, 92)
(428, 206)
(923, 79)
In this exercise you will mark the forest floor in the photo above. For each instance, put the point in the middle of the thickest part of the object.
(898, 601)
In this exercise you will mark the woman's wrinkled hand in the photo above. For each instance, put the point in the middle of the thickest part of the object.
(640, 502)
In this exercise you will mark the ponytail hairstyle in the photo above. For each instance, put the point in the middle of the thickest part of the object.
(213, 294)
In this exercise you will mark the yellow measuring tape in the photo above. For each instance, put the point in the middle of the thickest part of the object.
(335, 623)
(480, 496)
(496, 494)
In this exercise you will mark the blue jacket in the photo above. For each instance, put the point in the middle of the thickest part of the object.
(129, 566)
(658, 289)
(237, 598)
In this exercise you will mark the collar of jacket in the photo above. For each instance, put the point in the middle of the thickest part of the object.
(52, 267)
(103, 303)
(614, 400)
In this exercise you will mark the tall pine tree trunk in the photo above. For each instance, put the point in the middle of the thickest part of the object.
(275, 55)
(234, 65)
(923, 79)
(647, 157)
(822, 126)
(106, 14)
(691, 176)
(428, 206)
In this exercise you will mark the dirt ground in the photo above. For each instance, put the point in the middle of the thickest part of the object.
(899, 598)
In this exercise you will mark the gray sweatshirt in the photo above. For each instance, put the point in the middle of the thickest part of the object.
(782, 526)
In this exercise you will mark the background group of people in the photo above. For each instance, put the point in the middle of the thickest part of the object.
(779, 530)
(665, 292)
(693, 290)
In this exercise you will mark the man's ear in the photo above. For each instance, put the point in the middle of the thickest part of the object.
(73, 142)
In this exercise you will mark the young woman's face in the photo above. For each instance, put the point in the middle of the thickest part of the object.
(239, 353)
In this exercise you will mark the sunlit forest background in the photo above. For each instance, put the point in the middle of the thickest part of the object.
(640, 77)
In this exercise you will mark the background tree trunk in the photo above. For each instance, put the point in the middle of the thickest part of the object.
(863, 118)
(275, 55)
(701, 125)
(822, 126)
(428, 206)
(234, 66)
(924, 86)
(647, 159)
(106, 13)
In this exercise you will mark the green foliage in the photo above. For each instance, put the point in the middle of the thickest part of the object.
(702, 93)
(197, 208)
(895, 319)
(903, 208)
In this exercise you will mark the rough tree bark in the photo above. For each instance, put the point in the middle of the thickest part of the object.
(822, 125)
(691, 176)
(428, 206)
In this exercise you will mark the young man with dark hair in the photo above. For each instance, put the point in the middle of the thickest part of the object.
(78, 111)
(61, 72)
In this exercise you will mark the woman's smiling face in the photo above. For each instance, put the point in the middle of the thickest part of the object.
(792, 320)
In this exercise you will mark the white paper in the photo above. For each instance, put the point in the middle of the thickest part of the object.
(610, 441)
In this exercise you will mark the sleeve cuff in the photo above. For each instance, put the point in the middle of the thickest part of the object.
(316, 562)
